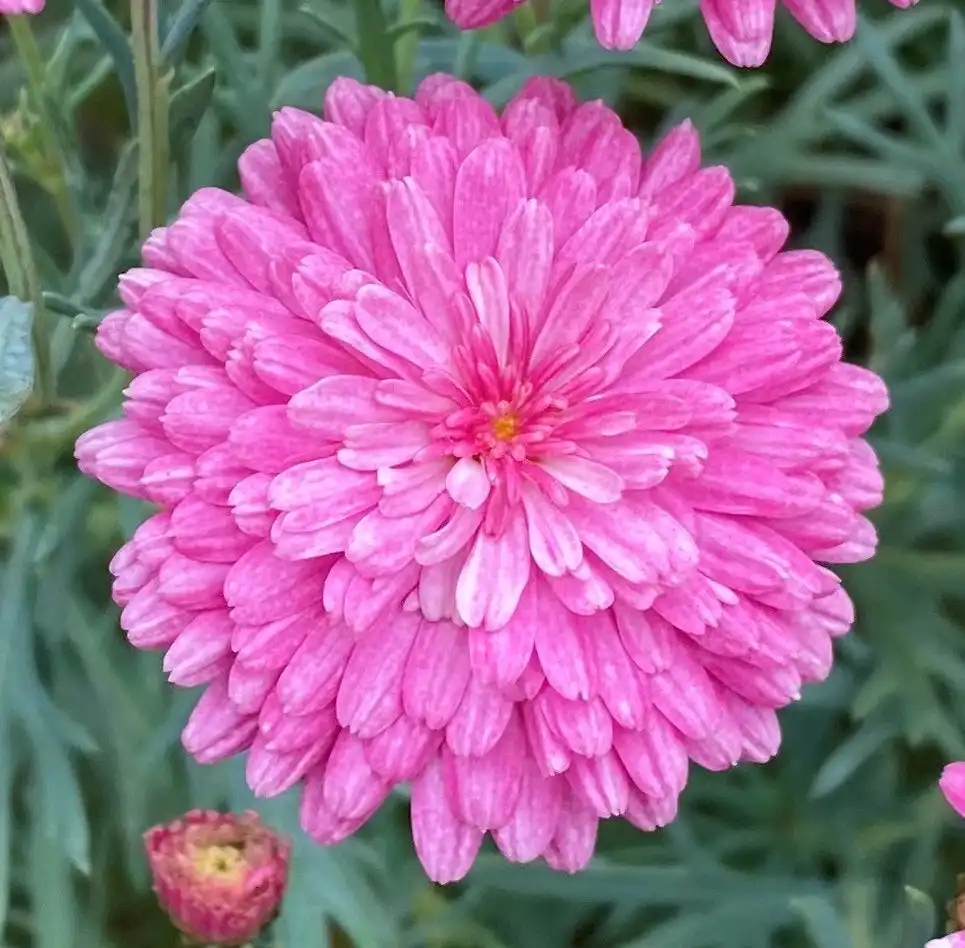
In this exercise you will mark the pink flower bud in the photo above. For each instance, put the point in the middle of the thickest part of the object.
(21, 6)
(952, 784)
(220, 877)
(954, 940)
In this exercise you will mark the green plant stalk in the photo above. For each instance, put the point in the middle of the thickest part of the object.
(9, 257)
(269, 39)
(376, 49)
(22, 274)
(466, 54)
(152, 116)
(407, 46)
(33, 63)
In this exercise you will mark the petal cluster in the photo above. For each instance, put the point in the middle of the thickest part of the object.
(740, 29)
(220, 877)
(493, 457)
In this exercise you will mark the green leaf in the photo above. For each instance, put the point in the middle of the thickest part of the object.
(16, 356)
(768, 162)
(61, 806)
(304, 87)
(823, 922)
(189, 104)
(854, 751)
(919, 917)
(955, 98)
(326, 882)
(175, 43)
(581, 59)
(115, 41)
(891, 147)
(845, 66)
(333, 23)
(113, 239)
(732, 924)
(7, 762)
(874, 45)
(52, 895)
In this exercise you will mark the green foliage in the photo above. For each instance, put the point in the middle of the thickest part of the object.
(843, 841)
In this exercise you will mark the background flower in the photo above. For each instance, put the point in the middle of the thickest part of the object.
(955, 940)
(952, 784)
(21, 6)
(220, 877)
(740, 29)
(506, 476)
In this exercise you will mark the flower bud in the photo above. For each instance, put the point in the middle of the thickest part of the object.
(952, 784)
(954, 940)
(220, 877)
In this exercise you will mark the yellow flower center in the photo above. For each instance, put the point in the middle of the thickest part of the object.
(221, 862)
(505, 427)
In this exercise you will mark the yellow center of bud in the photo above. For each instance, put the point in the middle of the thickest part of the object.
(505, 427)
(221, 862)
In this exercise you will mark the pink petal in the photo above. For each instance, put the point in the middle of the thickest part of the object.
(494, 576)
(586, 478)
(370, 694)
(446, 847)
(468, 484)
(620, 23)
(436, 674)
(483, 790)
(575, 839)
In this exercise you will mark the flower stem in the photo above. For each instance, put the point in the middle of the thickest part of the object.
(375, 46)
(407, 46)
(18, 261)
(152, 116)
(33, 63)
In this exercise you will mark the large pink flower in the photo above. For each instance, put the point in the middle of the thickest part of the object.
(8, 7)
(492, 457)
(740, 29)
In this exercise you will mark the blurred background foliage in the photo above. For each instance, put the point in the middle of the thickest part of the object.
(842, 842)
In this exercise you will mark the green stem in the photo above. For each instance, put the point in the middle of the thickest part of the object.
(24, 283)
(269, 39)
(466, 54)
(152, 116)
(33, 63)
(407, 46)
(375, 46)
(9, 256)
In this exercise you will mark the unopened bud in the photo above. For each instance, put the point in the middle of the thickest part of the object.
(220, 877)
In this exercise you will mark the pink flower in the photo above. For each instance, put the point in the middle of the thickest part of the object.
(492, 457)
(220, 877)
(954, 940)
(952, 784)
(9, 7)
(740, 29)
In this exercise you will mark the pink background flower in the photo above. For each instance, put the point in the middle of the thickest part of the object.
(493, 457)
(955, 940)
(740, 29)
(220, 877)
(21, 6)
(952, 784)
